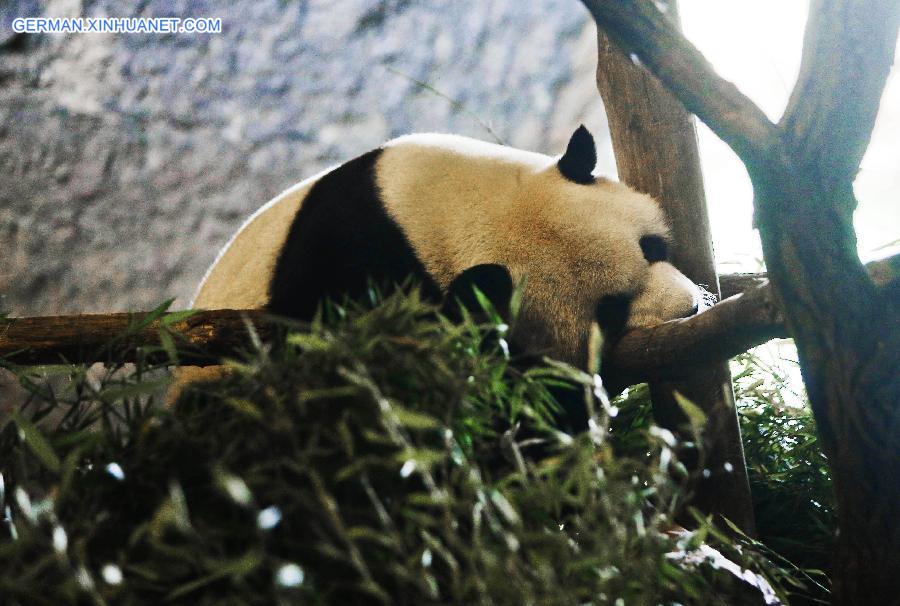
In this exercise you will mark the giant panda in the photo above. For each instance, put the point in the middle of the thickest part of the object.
(450, 211)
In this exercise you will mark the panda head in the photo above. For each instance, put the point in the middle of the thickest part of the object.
(588, 250)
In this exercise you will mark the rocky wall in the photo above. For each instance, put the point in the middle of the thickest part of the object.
(127, 160)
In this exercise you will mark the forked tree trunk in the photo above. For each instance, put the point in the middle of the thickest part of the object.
(655, 144)
(847, 328)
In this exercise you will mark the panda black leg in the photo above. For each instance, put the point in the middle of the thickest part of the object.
(341, 241)
(491, 279)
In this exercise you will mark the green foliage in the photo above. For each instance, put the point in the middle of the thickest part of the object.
(793, 500)
(372, 459)
(792, 491)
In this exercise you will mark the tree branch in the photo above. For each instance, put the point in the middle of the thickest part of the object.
(661, 352)
(204, 337)
(640, 27)
(732, 284)
(827, 123)
(669, 350)
(747, 318)
(885, 273)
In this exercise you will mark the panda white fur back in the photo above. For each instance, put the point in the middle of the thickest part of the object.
(437, 205)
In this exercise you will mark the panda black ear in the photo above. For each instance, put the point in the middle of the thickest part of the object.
(580, 158)
(491, 279)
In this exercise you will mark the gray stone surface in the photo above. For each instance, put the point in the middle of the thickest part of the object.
(126, 161)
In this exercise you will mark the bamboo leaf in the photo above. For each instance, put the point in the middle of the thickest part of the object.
(37, 442)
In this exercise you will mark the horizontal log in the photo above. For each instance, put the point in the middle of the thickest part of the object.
(747, 318)
(203, 338)
(733, 284)
(884, 272)
(669, 350)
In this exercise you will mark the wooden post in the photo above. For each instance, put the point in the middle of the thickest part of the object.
(655, 145)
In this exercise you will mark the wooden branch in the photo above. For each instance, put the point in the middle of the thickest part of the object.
(641, 28)
(749, 316)
(663, 351)
(827, 123)
(204, 338)
(743, 320)
(733, 284)
(673, 349)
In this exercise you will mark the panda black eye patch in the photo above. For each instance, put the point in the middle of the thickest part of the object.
(654, 248)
